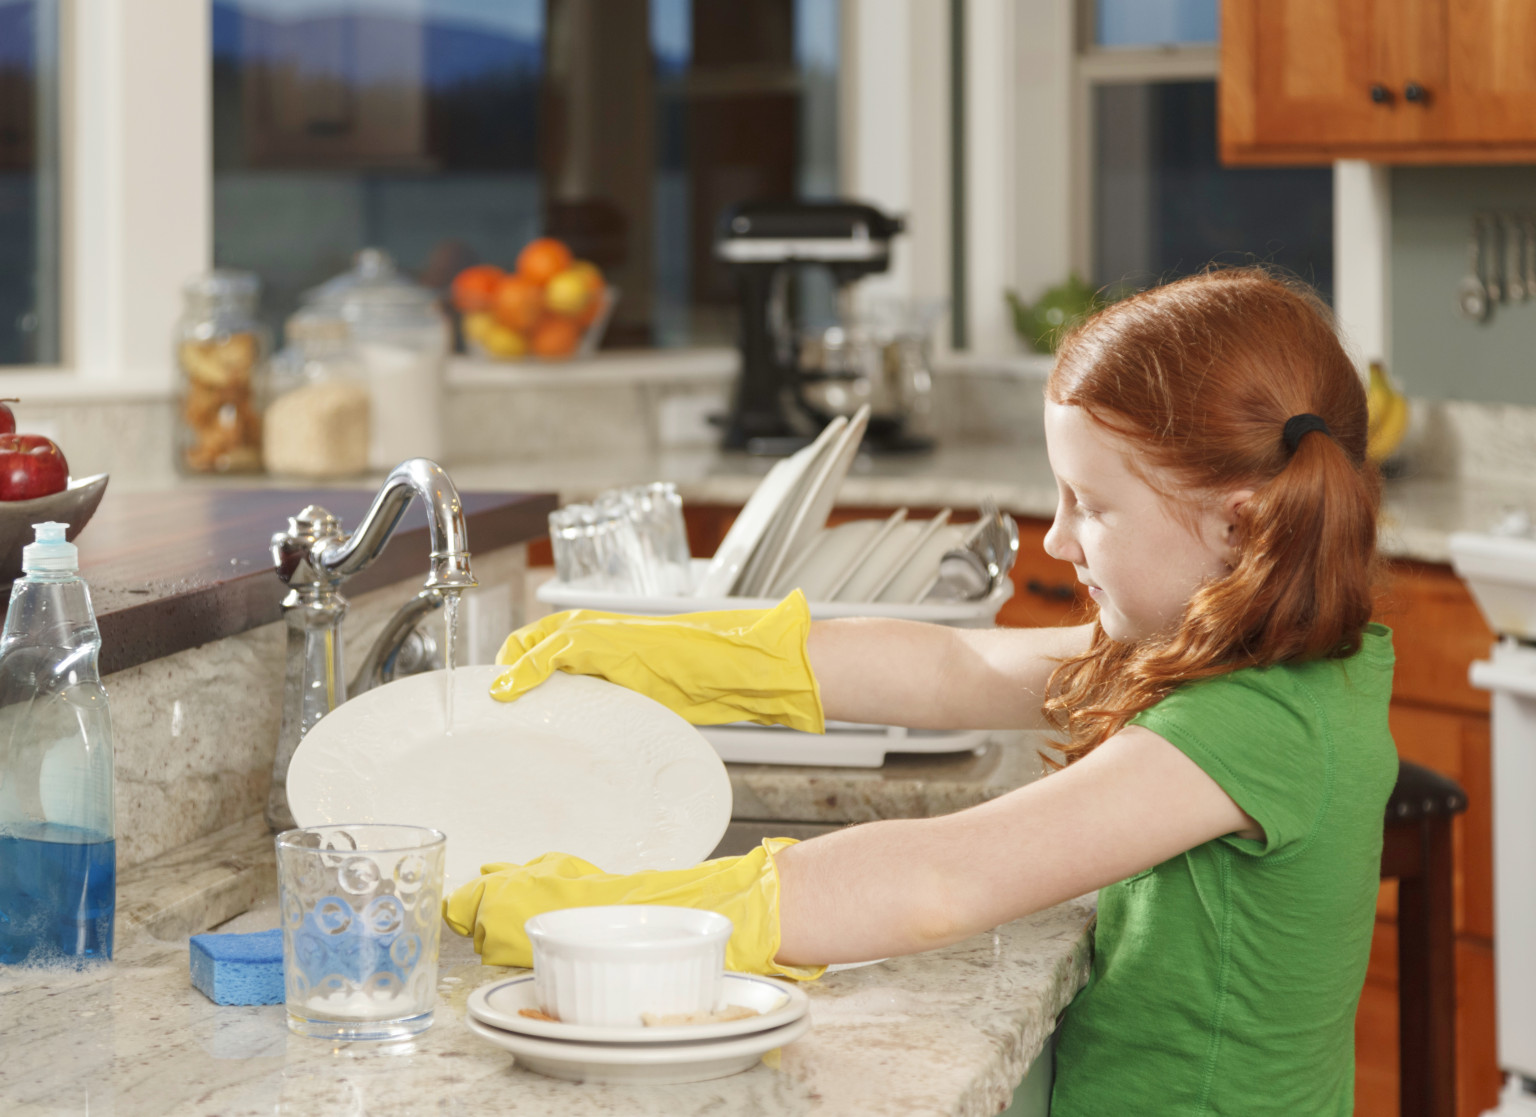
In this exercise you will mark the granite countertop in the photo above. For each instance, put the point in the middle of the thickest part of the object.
(947, 1032)
(1418, 514)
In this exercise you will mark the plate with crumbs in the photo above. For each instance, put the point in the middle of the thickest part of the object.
(506, 1004)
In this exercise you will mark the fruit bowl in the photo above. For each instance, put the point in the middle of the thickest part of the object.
(551, 306)
(73, 506)
(476, 342)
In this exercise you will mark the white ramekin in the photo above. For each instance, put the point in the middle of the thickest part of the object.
(604, 966)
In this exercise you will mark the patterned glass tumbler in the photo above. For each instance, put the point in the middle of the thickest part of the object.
(361, 914)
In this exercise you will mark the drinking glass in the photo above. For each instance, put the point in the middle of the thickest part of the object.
(361, 916)
(597, 544)
(657, 513)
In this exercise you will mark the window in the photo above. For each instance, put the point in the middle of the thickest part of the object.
(1162, 205)
(29, 182)
(453, 131)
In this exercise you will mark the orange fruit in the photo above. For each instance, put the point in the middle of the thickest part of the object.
(473, 286)
(556, 336)
(543, 259)
(517, 302)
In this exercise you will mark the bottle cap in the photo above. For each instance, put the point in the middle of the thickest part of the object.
(50, 554)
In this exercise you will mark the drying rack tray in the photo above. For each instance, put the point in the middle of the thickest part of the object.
(957, 614)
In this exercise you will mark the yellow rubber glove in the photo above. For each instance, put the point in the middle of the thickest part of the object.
(746, 889)
(712, 668)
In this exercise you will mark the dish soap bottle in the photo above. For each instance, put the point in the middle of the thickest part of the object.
(58, 857)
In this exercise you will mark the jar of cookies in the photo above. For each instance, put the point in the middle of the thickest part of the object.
(221, 350)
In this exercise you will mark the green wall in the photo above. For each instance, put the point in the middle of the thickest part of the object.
(1437, 353)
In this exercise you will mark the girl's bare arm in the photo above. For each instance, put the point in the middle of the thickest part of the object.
(927, 676)
(902, 886)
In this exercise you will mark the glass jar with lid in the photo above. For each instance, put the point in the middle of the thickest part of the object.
(318, 422)
(401, 336)
(221, 351)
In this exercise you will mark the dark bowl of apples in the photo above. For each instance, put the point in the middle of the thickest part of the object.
(72, 505)
(35, 488)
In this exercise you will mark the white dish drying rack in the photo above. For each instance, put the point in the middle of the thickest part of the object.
(845, 744)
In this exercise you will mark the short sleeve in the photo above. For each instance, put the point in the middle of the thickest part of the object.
(1263, 738)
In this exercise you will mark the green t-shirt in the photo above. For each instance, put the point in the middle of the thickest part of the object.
(1225, 979)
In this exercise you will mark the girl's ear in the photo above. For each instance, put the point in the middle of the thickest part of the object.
(1229, 515)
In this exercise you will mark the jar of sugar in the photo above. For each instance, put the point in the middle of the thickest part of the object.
(401, 337)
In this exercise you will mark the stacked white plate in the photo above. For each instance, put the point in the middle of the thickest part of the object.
(784, 513)
(657, 1056)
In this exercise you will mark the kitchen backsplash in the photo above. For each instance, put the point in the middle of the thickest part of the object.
(1436, 352)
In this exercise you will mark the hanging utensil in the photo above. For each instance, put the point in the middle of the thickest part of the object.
(1529, 243)
(1493, 261)
(1514, 266)
(1472, 295)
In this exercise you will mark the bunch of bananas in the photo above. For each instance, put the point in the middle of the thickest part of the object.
(1387, 409)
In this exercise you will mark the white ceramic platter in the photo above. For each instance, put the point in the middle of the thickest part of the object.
(892, 523)
(912, 583)
(777, 1002)
(820, 497)
(657, 1064)
(813, 459)
(577, 765)
(758, 515)
(824, 559)
(930, 529)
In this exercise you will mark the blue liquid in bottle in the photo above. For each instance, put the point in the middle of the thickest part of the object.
(57, 894)
(58, 857)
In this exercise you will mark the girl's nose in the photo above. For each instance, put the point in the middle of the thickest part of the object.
(1059, 543)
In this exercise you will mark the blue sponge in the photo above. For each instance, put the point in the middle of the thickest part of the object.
(239, 969)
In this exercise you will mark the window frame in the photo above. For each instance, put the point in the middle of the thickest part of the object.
(1362, 198)
(135, 193)
(136, 174)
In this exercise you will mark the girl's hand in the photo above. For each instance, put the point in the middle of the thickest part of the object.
(712, 668)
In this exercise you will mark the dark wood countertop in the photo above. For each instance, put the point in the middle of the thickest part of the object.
(172, 570)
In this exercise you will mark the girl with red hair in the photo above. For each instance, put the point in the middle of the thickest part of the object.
(1222, 718)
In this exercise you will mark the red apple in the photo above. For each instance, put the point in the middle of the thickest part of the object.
(31, 466)
(7, 419)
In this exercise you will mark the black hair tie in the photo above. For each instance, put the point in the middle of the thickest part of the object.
(1298, 426)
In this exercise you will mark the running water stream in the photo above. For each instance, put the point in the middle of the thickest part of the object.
(451, 639)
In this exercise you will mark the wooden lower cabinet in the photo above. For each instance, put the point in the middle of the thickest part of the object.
(1439, 720)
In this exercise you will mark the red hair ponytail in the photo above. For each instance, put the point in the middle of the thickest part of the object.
(1199, 377)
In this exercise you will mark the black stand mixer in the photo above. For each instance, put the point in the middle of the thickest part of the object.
(791, 384)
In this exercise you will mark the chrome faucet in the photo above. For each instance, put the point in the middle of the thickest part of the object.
(314, 556)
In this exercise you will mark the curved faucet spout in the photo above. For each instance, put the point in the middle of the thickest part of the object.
(342, 558)
(313, 558)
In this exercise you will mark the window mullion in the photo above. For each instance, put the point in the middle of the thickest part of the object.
(137, 185)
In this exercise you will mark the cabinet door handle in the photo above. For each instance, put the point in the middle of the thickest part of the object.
(1057, 592)
(1416, 93)
(1380, 93)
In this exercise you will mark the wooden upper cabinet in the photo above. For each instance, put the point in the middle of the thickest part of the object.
(1396, 81)
(1490, 89)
